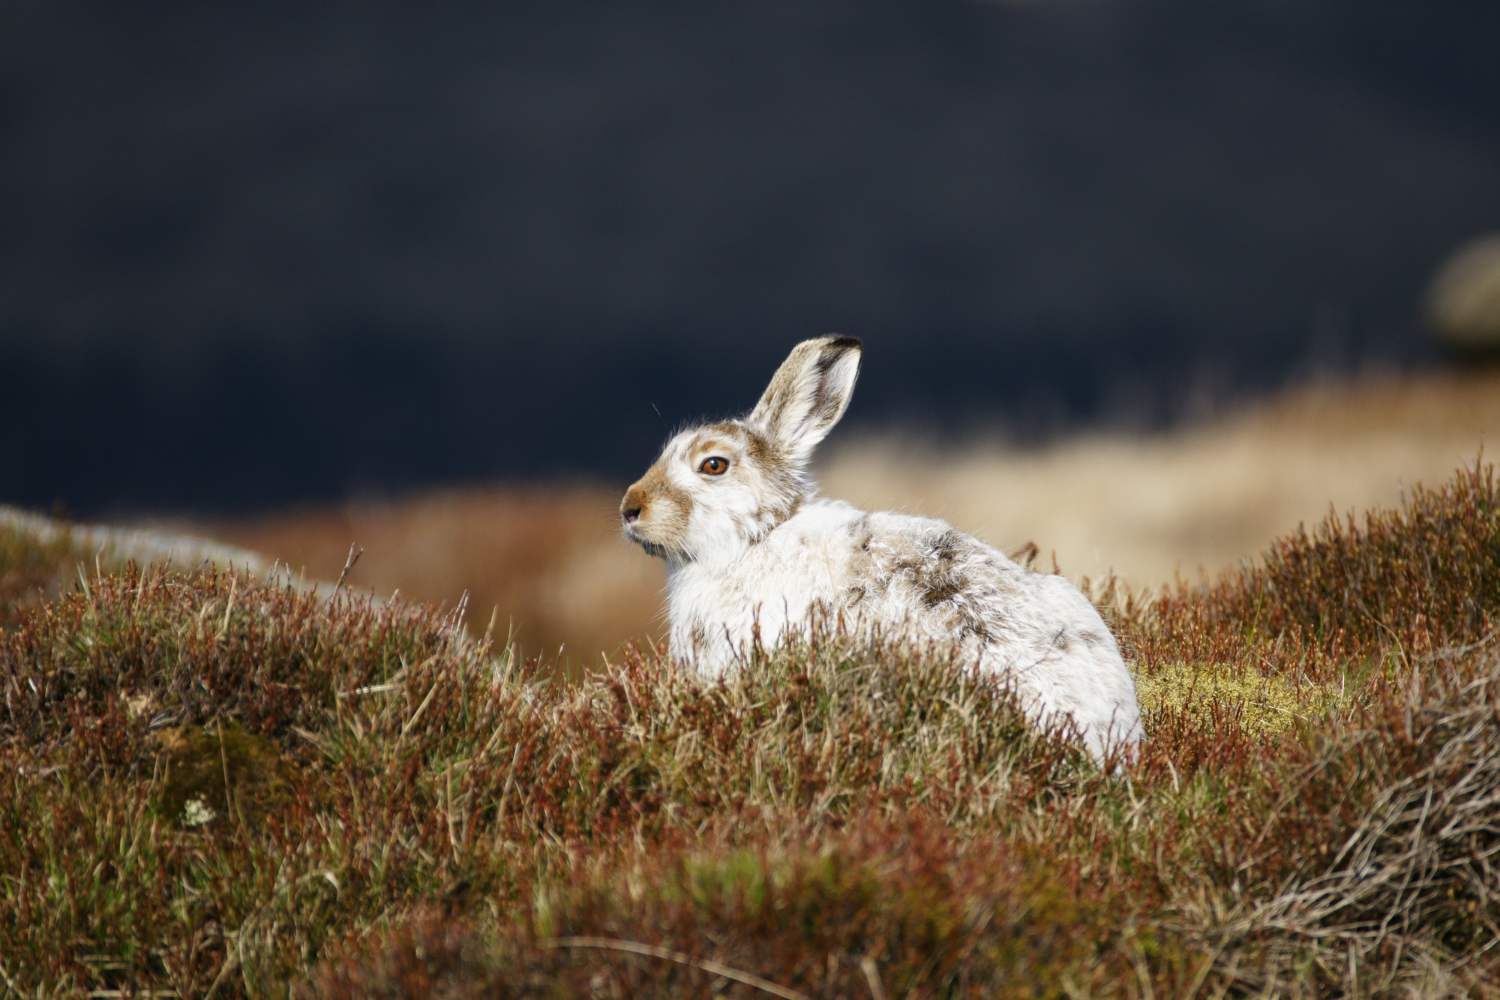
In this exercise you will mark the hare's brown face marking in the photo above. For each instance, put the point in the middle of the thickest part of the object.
(720, 488)
(655, 512)
(713, 491)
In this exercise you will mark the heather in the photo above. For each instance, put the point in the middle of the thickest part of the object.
(215, 784)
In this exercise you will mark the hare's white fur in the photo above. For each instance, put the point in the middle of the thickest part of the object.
(752, 551)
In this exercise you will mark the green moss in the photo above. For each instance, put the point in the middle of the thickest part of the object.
(738, 878)
(1267, 705)
(221, 773)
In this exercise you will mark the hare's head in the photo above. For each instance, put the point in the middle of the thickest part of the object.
(720, 488)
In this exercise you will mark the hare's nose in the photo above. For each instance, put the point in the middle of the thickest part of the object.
(631, 513)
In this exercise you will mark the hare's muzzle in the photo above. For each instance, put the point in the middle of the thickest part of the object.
(653, 516)
(634, 505)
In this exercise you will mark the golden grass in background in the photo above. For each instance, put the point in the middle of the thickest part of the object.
(1201, 498)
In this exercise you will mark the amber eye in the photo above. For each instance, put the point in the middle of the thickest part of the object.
(714, 466)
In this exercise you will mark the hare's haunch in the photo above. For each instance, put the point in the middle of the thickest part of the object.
(750, 546)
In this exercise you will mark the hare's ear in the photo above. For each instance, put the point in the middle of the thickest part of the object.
(808, 394)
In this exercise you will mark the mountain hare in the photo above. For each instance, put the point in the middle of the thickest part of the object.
(749, 545)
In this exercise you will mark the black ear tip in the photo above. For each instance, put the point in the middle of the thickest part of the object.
(846, 343)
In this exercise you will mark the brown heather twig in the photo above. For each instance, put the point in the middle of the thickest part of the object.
(353, 557)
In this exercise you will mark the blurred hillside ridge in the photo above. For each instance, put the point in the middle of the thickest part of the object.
(272, 253)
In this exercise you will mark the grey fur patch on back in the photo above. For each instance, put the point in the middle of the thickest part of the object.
(864, 566)
(862, 533)
(938, 577)
(945, 573)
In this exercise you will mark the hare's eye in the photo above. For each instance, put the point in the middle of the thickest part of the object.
(714, 466)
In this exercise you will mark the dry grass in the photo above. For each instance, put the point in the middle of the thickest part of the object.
(552, 562)
(219, 785)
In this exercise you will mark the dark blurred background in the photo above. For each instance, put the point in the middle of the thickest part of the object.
(277, 253)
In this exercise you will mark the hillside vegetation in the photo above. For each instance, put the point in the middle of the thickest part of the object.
(215, 785)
